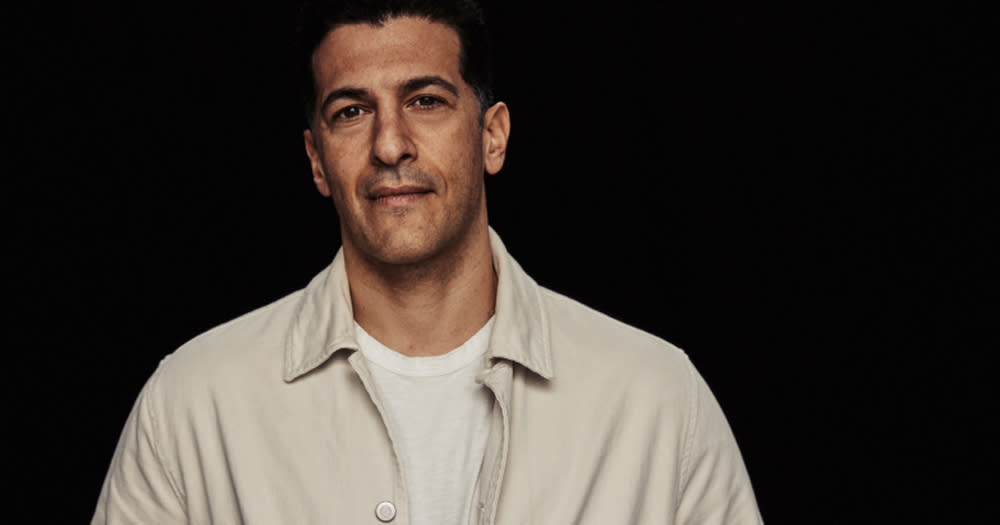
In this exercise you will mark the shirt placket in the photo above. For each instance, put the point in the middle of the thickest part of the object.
(392, 508)
(499, 379)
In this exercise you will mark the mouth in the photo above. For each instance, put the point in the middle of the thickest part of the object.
(398, 195)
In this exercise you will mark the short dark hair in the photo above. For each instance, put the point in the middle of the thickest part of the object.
(318, 17)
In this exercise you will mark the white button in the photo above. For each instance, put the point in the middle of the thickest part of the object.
(385, 511)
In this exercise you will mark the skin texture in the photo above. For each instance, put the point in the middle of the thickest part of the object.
(399, 145)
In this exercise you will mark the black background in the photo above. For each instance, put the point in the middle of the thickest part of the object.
(797, 196)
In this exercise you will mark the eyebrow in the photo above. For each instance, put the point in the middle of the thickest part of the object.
(344, 92)
(416, 84)
(411, 85)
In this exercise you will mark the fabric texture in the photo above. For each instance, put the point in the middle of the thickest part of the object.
(439, 417)
(273, 418)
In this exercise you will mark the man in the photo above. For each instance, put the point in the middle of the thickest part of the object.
(423, 377)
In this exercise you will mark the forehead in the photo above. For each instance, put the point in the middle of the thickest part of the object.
(366, 55)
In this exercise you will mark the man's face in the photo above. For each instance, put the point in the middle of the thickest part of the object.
(398, 142)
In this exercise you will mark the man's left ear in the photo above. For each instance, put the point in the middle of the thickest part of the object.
(496, 131)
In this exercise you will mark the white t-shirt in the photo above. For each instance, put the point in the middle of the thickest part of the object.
(439, 417)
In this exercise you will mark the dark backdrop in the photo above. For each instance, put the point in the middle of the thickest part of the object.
(796, 196)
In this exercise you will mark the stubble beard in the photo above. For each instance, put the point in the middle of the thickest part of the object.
(406, 248)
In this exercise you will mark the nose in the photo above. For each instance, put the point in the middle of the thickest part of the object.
(392, 143)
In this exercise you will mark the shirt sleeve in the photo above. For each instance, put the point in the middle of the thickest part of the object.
(138, 487)
(715, 486)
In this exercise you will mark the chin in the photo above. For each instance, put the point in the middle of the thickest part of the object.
(403, 257)
(401, 249)
(411, 242)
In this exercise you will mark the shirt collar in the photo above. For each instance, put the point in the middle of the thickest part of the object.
(323, 323)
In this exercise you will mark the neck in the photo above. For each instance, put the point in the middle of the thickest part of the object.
(427, 308)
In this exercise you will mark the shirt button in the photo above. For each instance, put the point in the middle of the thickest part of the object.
(385, 511)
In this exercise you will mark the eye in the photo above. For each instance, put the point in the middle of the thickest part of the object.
(348, 113)
(427, 102)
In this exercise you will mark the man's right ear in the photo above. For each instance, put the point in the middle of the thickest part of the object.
(319, 177)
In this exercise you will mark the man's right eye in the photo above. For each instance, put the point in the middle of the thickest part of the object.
(348, 113)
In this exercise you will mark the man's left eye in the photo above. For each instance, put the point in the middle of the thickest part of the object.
(426, 102)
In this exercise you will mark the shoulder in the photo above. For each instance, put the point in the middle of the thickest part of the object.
(577, 327)
(261, 325)
(595, 346)
(245, 349)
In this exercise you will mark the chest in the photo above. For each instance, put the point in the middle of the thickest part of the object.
(327, 454)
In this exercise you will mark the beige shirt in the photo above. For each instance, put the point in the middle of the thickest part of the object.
(272, 418)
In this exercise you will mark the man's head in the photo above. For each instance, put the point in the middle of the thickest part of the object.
(400, 139)
(319, 17)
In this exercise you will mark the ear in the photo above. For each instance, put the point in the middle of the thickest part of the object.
(319, 177)
(496, 130)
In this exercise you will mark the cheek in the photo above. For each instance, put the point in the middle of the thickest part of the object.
(342, 194)
(467, 154)
(341, 176)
